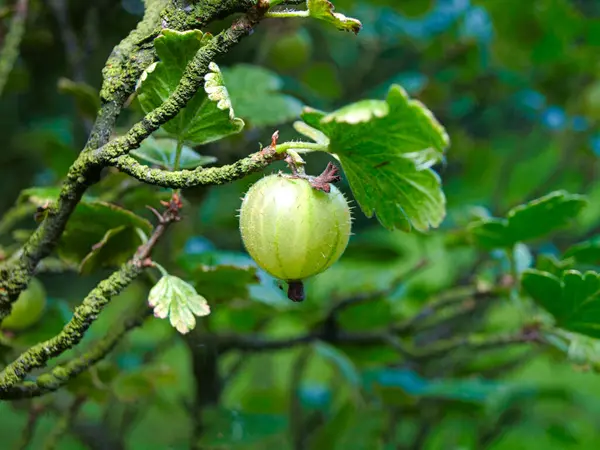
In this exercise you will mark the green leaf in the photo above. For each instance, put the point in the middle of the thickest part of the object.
(174, 298)
(344, 364)
(265, 291)
(162, 152)
(587, 252)
(386, 149)
(530, 221)
(86, 97)
(89, 227)
(114, 249)
(256, 97)
(208, 116)
(573, 299)
(224, 282)
(549, 263)
(324, 10)
(39, 196)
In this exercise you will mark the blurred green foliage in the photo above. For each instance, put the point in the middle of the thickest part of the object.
(516, 85)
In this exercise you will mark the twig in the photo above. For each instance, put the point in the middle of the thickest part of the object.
(372, 296)
(84, 315)
(73, 53)
(35, 412)
(200, 177)
(120, 75)
(64, 424)
(297, 429)
(448, 299)
(10, 49)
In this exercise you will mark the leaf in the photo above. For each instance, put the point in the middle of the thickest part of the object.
(224, 282)
(88, 227)
(86, 97)
(162, 152)
(114, 249)
(573, 299)
(265, 291)
(386, 149)
(344, 364)
(530, 221)
(324, 10)
(208, 116)
(93, 223)
(39, 196)
(256, 97)
(587, 252)
(174, 298)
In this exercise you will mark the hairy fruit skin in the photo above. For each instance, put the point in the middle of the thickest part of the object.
(28, 309)
(292, 230)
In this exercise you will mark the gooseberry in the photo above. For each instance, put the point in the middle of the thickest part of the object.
(28, 308)
(294, 230)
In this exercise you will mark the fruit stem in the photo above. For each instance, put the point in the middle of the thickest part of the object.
(296, 163)
(295, 290)
(301, 146)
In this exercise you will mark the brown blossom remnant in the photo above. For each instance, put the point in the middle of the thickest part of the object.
(329, 175)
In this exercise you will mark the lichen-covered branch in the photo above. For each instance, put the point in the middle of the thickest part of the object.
(86, 313)
(199, 177)
(62, 374)
(12, 41)
(191, 81)
(122, 70)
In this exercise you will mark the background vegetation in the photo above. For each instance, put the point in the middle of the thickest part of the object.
(515, 84)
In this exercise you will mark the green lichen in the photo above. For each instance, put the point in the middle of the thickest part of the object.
(121, 73)
(201, 176)
(83, 316)
(61, 375)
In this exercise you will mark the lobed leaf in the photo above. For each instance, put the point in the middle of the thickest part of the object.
(530, 221)
(178, 300)
(573, 299)
(324, 10)
(386, 149)
(256, 95)
(208, 116)
(162, 152)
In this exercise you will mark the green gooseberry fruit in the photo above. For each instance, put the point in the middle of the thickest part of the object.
(28, 309)
(293, 230)
(291, 50)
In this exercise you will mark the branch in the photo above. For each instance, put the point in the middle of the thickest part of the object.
(64, 373)
(371, 296)
(83, 317)
(471, 343)
(191, 81)
(201, 176)
(10, 50)
(122, 70)
(64, 424)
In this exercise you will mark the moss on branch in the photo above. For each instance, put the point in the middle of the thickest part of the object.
(122, 70)
(64, 373)
(191, 81)
(201, 176)
(84, 315)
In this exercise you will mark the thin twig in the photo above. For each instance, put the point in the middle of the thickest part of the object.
(10, 49)
(84, 315)
(64, 424)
